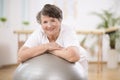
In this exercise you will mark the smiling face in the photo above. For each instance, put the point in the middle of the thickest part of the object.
(50, 25)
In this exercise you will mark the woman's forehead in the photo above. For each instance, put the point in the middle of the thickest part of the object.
(47, 17)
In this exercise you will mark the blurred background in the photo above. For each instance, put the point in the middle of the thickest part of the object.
(18, 20)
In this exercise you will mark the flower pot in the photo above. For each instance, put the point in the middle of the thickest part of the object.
(112, 59)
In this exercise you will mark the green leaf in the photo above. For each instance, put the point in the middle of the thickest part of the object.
(26, 23)
(3, 19)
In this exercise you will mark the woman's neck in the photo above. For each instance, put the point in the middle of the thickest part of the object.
(53, 38)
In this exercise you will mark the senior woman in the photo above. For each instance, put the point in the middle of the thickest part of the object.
(53, 37)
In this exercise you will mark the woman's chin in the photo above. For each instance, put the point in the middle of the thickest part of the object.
(51, 34)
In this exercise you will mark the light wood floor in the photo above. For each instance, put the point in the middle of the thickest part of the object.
(106, 74)
(6, 73)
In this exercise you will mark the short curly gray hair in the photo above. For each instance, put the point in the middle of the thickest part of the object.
(51, 11)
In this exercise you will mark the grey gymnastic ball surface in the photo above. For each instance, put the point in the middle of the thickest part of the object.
(49, 67)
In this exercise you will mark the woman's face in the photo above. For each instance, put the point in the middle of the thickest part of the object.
(51, 26)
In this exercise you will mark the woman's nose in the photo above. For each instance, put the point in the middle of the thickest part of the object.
(49, 24)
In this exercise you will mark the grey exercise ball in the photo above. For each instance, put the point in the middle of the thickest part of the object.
(49, 67)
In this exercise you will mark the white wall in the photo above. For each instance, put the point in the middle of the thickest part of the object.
(78, 15)
(8, 47)
(14, 14)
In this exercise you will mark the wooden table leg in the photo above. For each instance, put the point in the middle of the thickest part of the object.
(99, 53)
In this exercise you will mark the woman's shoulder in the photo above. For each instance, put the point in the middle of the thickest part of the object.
(67, 28)
(37, 31)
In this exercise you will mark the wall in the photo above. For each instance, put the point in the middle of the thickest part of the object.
(78, 15)
(8, 47)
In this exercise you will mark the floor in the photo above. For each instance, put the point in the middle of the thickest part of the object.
(106, 74)
(6, 73)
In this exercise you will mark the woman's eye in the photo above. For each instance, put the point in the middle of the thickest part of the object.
(45, 22)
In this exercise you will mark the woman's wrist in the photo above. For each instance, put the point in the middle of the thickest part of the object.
(46, 47)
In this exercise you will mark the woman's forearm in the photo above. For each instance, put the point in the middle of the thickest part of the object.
(27, 53)
(70, 54)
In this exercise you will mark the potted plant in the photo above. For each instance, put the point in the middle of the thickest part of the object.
(109, 22)
(25, 23)
(3, 20)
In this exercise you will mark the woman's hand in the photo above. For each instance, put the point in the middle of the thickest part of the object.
(53, 46)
